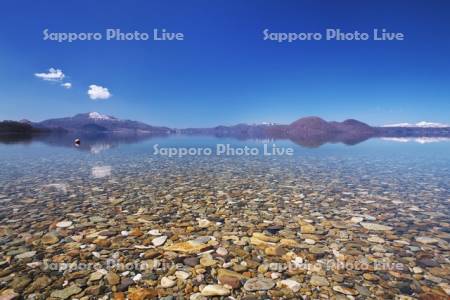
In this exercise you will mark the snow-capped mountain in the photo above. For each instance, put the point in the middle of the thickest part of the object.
(422, 124)
(98, 116)
(268, 123)
(97, 122)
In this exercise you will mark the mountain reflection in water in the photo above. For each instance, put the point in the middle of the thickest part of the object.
(99, 142)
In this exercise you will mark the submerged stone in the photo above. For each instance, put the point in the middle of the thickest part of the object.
(258, 284)
(67, 292)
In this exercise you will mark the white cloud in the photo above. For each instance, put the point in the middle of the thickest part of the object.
(98, 92)
(66, 85)
(52, 75)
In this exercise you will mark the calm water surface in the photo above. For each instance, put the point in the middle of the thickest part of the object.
(377, 202)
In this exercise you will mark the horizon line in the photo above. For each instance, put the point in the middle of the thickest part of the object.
(398, 124)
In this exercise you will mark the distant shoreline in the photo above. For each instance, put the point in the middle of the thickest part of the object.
(309, 132)
(303, 127)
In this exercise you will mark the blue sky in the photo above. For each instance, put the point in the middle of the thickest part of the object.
(224, 72)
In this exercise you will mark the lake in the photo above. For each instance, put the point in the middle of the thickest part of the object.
(369, 220)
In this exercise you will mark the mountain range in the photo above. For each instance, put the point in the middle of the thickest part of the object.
(308, 131)
(422, 124)
(96, 122)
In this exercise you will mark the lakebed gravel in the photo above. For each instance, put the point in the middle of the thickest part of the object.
(218, 228)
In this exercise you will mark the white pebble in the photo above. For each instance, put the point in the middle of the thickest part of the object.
(137, 277)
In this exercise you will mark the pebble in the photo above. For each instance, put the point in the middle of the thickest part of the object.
(19, 283)
(222, 251)
(167, 282)
(203, 223)
(215, 290)
(310, 241)
(66, 293)
(155, 232)
(375, 227)
(124, 284)
(112, 278)
(49, 239)
(142, 294)
(291, 284)
(230, 278)
(64, 224)
(137, 277)
(356, 219)
(345, 290)
(28, 254)
(426, 240)
(8, 294)
(182, 275)
(39, 284)
(318, 281)
(445, 287)
(259, 284)
(207, 261)
(376, 239)
(190, 247)
(197, 296)
(159, 241)
(191, 261)
(97, 275)
(307, 228)
(263, 268)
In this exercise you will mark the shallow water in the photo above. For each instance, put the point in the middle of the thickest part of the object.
(105, 189)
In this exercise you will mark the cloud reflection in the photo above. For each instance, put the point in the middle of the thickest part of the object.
(101, 171)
